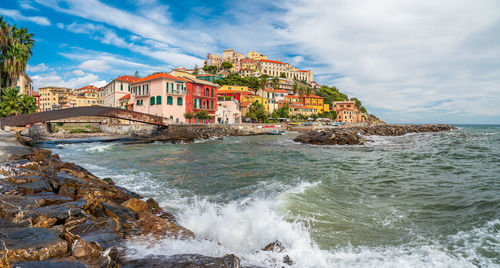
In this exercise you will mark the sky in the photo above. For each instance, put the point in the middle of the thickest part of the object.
(408, 61)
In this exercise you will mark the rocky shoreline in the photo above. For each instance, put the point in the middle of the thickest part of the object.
(55, 213)
(358, 135)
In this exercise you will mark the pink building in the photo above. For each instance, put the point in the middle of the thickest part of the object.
(160, 94)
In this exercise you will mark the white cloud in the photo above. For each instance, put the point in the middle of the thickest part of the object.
(94, 65)
(415, 58)
(78, 72)
(99, 83)
(37, 68)
(16, 15)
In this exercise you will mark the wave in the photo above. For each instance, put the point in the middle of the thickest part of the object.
(100, 148)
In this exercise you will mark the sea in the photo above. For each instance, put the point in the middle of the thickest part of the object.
(418, 200)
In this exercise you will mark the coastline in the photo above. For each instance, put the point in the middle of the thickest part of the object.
(76, 219)
(80, 219)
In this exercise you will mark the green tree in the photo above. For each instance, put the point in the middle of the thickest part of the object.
(227, 65)
(358, 102)
(14, 104)
(295, 88)
(282, 112)
(258, 111)
(362, 109)
(275, 82)
(189, 115)
(211, 69)
(203, 115)
(283, 75)
(196, 70)
(15, 45)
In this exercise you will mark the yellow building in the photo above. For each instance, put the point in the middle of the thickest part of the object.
(254, 55)
(314, 103)
(236, 88)
(24, 84)
(54, 98)
(85, 98)
(181, 72)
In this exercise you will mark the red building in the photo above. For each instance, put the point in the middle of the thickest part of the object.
(37, 99)
(201, 95)
(240, 96)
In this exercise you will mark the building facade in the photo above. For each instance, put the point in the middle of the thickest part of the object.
(347, 112)
(228, 112)
(54, 98)
(160, 94)
(201, 95)
(24, 84)
(116, 89)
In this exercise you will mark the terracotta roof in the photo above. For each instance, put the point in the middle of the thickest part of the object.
(272, 61)
(126, 97)
(281, 91)
(91, 87)
(291, 96)
(159, 76)
(234, 91)
(127, 78)
(303, 71)
(245, 103)
(311, 96)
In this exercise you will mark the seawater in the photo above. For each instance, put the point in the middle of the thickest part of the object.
(418, 200)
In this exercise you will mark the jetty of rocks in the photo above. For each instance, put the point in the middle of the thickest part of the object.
(358, 135)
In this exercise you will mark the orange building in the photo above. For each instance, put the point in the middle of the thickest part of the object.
(347, 112)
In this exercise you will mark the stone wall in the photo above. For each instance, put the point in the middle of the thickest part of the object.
(137, 130)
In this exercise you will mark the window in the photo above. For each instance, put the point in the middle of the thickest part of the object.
(129, 88)
(158, 100)
(147, 89)
(170, 100)
(152, 101)
(212, 105)
(179, 101)
(167, 86)
(121, 86)
(198, 90)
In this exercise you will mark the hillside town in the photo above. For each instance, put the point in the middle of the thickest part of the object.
(229, 89)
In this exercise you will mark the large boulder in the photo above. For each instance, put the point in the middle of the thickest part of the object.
(29, 244)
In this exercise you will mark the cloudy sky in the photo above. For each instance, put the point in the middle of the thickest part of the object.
(407, 61)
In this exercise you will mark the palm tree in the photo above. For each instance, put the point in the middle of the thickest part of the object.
(16, 46)
(13, 104)
(275, 83)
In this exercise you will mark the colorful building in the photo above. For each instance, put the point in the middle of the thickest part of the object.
(116, 89)
(84, 98)
(347, 112)
(37, 99)
(236, 88)
(228, 112)
(125, 102)
(54, 98)
(201, 95)
(160, 94)
(240, 96)
(316, 103)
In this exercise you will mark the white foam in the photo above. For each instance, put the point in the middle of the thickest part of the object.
(99, 148)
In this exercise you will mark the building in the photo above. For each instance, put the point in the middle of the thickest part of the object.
(240, 96)
(235, 88)
(160, 94)
(82, 98)
(285, 70)
(209, 77)
(182, 72)
(116, 89)
(228, 112)
(124, 102)
(201, 95)
(347, 112)
(54, 98)
(37, 99)
(87, 88)
(24, 84)
(314, 103)
(254, 55)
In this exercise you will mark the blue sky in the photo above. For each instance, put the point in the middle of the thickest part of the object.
(407, 61)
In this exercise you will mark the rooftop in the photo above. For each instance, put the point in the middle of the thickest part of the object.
(160, 76)
(127, 78)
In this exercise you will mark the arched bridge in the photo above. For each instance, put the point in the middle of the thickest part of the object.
(29, 119)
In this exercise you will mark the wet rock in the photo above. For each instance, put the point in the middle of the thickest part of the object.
(152, 224)
(136, 205)
(43, 216)
(89, 251)
(185, 260)
(355, 135)
(55, 263)
(287, 260)
(111, 257)
(109, 181)
(29, 244)
(274, 246)
(10, 205)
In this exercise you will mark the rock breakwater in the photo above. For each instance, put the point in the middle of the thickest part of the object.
(57, 213)
(358, 135)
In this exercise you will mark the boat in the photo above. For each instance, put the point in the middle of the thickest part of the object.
(276, 132)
